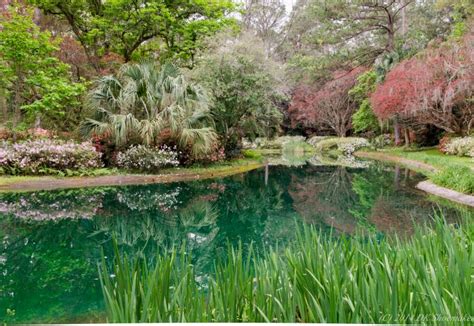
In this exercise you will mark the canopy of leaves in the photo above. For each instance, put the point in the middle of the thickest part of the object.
(246, 88)
(33, 79)
(123, 26)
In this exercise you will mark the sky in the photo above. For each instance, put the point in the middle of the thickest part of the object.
(289, 4)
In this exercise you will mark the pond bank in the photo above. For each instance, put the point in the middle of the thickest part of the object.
(424, 168)
(37, 183)
(418, 166)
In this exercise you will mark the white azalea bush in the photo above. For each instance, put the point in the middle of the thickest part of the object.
(461, 146)
(147, 159)
(346, 146)
(47, 156)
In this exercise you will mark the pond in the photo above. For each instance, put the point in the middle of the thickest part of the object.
(52, 240)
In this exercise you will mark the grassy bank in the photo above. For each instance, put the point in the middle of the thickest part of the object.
(120, 177)
(453, 172)
(317, 279)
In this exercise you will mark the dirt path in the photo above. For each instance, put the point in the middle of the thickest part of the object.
(426, 186)
(50, 183)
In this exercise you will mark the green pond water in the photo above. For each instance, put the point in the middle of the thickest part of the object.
(52, 240)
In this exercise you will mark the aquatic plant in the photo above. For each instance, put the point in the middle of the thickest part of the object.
(319, 278)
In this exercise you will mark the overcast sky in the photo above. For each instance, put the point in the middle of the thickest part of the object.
(289, 4)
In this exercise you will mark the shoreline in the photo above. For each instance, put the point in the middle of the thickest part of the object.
(40, 183)
(426, 169)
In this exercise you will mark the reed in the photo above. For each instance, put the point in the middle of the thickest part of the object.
(318, 278)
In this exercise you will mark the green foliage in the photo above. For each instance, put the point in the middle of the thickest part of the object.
(175, 28)
(33, 79)
(253, 154)
(366, 84)
(144, 104)
(364, 118)
(244, 89)
(459, 178)
(317, 279)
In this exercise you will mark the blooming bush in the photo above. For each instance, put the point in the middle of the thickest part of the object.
(346, 145)
(147, 159)
(461, 146)
(47, 156)
(354, 144)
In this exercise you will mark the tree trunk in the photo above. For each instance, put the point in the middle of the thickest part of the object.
(396, 129)
(407, 137)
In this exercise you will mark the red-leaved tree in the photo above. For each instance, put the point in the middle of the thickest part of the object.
(435, 88)
(328, 105)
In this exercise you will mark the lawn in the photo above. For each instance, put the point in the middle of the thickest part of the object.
(432, 156)
(449, 171)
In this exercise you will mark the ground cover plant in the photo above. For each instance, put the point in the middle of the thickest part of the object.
(319, 278)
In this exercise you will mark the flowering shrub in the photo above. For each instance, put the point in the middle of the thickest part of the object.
(347, 145)
(147, 159)
(45, 156)
(461, 146)
(354, 144)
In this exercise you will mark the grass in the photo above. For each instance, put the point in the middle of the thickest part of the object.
(432, 156)
(317, 279)
(458, 178)
(453, 172)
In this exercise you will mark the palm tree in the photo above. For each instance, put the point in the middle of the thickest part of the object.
(145, 103)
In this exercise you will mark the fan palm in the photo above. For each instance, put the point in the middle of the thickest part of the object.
(143, 102)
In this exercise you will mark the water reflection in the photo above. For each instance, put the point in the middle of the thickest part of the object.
(51, 241)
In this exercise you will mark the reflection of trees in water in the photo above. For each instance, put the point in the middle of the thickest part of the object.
(377, 197)
(324, 197)
(50, 262)
(49, 270)
(47, 205)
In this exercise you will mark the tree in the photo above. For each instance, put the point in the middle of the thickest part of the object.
(148, 105)
(265, 18)
(123, 26)
(364, 118)
(33, 79)
(323, 36)
(330, 105)
(434, 88)
(245, 87)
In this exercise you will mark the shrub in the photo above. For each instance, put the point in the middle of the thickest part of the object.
(459, 178)
(216, 153)
(47, 156)
(346, 146)
(381, 141)
(147, 159)
(461, 146)
(253, 154)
